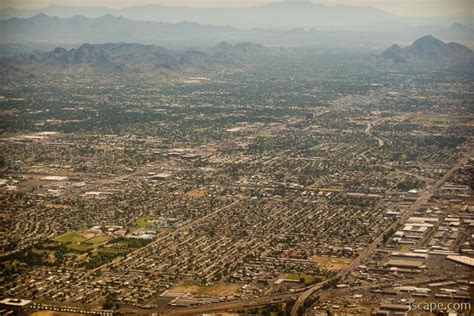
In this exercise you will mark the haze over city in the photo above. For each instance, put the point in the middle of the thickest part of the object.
(264, 158)
(400, 7)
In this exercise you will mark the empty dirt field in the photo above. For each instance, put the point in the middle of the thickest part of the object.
(331, 264)
(219, 289)
(196, 193)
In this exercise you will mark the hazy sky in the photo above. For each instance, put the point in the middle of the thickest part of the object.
(401, 7)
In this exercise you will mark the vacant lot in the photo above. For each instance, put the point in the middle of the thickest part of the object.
(196, 193)
(51, 313)
(218, 289)
(331, 264)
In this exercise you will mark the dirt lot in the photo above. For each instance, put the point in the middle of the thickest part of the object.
(219, 289)
(51, 313)
(331, 264)
(196, 193)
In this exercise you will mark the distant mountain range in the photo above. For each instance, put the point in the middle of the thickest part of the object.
(50, 32)
(461, 29)
(287, 14)
(123, 58)
(428, 48)
(79, 29)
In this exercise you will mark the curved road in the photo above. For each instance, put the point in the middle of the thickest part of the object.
(368, 131)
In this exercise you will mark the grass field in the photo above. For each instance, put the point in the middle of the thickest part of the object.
(307, 278)
(99, 239)
(201, 129)
(73, 249)
(72, 237)
(142, 222)
(264, 134)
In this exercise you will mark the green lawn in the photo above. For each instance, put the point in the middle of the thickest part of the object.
(99, 239)
(73, 249)
(141, 222)
(201, 129)
(72, 237)
(308, 279)
(292, 277)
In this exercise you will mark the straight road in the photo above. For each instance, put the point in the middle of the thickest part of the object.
(422, 199)
(139, 251)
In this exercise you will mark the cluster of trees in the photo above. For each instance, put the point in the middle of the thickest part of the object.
(100, 258)
(409, 184)
(28, 257)
(274, 310)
